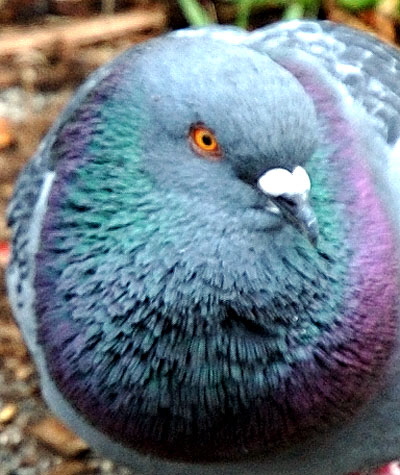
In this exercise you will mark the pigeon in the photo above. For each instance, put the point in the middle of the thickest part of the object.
(205, 253)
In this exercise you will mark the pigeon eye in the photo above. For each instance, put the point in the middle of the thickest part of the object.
(204, 142)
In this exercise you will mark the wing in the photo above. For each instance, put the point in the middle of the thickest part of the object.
(369, 69)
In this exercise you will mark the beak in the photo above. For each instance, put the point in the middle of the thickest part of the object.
(290, 191)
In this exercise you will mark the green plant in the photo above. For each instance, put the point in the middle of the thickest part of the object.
(197, 15)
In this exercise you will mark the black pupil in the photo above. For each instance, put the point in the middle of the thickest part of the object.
(207, 140)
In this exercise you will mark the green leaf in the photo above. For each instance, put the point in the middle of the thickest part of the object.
(194, 13)
(243, 13)
(355, 5)
(294, 11)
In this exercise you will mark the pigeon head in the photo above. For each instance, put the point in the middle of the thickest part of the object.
(253, 126)
(185, 306)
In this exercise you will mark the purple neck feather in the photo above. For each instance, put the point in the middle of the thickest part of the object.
(368, 327)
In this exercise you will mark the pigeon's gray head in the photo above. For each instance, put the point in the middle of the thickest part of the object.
(185, 306)
(254, 114)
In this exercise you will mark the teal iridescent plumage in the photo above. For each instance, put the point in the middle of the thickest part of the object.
(178, 308)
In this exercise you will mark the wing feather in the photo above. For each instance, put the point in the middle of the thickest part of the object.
(368, 68)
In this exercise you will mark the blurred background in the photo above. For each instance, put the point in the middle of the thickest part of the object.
(47, 48)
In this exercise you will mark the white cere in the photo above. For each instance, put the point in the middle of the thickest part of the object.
(279, 181)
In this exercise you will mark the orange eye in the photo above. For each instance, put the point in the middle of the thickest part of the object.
(204, 142)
